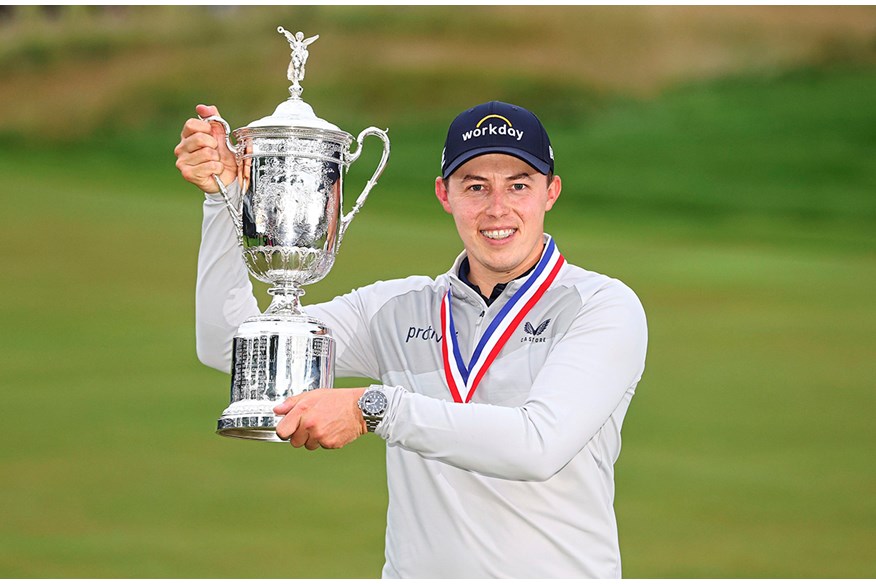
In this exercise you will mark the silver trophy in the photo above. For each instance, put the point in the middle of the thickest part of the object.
(290, 223)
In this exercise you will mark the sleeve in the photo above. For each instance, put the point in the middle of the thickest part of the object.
(346, 317)
(585, 378)
(223, 293)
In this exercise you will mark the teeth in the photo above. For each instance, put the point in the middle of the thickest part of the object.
(498, 233)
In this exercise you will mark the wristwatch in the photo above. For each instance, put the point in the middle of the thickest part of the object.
(373, 404)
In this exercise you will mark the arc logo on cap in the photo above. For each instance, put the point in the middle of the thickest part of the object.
(493, 129)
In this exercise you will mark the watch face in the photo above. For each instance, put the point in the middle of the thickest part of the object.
(374, 403)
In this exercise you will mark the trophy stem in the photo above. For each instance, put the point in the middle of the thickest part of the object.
(286, 300)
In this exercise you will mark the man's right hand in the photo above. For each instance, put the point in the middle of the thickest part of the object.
(202, 152)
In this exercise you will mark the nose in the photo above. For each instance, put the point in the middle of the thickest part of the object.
(497, 205)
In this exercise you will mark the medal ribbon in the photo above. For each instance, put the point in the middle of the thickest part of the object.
(461, 377)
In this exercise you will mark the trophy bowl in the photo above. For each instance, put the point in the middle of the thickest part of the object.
(291, 184)
(289, 222)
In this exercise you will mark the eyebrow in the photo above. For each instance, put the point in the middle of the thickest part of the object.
(474, 177)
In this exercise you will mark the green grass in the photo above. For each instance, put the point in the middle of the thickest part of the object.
(742, 212)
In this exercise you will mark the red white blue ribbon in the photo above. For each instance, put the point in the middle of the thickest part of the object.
(462, 378)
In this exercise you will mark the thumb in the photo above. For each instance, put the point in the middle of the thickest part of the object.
(206, 111)
(285, 407)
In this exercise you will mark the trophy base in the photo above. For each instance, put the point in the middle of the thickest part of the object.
(274, 356)
(252, 420)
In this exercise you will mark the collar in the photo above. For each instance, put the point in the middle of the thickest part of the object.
(464, 269)
(461, 268)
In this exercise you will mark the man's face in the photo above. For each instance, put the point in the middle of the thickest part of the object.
(498, 203)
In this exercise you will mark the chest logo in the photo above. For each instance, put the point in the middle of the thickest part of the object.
(533, 334)
(425, 334)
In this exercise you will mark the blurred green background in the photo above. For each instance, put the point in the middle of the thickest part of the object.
(719, 160)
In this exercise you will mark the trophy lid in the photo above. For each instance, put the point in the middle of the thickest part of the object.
(295, 112)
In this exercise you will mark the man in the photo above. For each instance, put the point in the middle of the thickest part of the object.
(502, 414)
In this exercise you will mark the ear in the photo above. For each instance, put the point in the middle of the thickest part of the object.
(553, 192)
(441, 193)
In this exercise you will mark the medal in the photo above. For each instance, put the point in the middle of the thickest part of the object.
(462, 377)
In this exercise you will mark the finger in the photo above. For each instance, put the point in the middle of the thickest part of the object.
(185, 147)
(196, 126)
(300, 437)
(197, 141)
(288, 426)
(200, 165)
(201, 174)
(312, 444)
(200, 156)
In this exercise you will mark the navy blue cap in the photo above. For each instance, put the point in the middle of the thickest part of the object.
(497, 127)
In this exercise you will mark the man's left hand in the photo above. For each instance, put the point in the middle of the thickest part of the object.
(327, 418)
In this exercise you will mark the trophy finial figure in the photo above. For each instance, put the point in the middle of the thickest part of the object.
(299, 57)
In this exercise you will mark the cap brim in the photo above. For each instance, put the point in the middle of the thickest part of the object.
(539, 165)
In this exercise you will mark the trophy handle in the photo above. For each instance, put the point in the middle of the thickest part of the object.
(223, 190)
(372, 131)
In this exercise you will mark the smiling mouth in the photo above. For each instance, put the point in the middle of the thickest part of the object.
(498, 233)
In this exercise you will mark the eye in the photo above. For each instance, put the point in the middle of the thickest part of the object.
(518, 187)
(476, 188)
